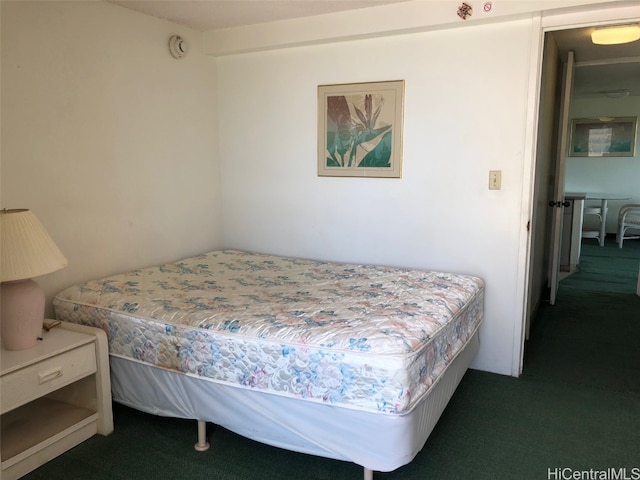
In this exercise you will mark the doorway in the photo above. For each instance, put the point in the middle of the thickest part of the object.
(598, 72)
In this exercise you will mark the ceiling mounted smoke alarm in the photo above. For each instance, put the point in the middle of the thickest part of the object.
(178, 46)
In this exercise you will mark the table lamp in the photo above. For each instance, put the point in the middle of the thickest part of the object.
(26, 251)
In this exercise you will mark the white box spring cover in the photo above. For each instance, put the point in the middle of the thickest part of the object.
(364, 337)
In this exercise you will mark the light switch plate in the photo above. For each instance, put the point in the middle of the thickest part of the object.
(495, 179)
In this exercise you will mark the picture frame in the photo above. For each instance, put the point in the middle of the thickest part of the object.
(360, 129)
(603, 137)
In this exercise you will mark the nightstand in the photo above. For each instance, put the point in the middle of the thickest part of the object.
(53, 397)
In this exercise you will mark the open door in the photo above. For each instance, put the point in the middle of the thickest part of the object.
(558, 202)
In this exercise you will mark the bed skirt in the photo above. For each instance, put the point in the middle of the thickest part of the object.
(376, 441)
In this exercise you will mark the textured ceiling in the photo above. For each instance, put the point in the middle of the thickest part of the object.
(216, 14)
(613, 67)
(600, 68)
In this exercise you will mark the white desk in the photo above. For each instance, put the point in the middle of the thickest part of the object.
(579, 199)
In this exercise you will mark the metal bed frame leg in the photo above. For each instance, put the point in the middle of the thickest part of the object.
(368, 474)
(202, 445)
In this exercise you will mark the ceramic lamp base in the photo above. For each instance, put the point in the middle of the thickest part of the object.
(21, 314)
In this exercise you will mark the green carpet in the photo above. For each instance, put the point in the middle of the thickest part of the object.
(577, 405)
(591, 337)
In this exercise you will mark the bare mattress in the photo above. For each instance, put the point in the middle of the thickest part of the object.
(366, 338)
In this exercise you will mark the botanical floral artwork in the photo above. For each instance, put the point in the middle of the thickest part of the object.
(360, 129)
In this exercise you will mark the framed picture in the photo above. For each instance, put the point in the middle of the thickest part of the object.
(360, 129)
(603, 137)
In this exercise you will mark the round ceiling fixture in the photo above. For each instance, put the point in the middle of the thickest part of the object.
(621, 93)
(616, 35)
(177, 46)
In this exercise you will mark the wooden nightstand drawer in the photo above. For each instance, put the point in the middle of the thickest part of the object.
(34, 381)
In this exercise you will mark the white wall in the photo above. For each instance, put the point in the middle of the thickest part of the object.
(465, 114)
(619, 175)
(106, 137)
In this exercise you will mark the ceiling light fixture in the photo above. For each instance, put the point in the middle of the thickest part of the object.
(616, 35)
(622, 93)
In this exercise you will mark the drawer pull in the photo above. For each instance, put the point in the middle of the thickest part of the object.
(50, 375)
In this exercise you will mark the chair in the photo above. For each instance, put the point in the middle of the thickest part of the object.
(628, 219)
(589, 231)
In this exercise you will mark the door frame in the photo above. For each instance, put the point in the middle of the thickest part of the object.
(541, 24)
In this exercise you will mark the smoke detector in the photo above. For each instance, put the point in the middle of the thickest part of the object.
(178, 46)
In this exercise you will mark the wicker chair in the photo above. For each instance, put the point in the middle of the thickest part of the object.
(628, 219)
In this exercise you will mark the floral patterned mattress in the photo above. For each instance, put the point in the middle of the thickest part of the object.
(359, 336)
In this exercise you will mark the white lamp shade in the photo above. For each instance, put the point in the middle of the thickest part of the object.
(27, 250)
(616, 35)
